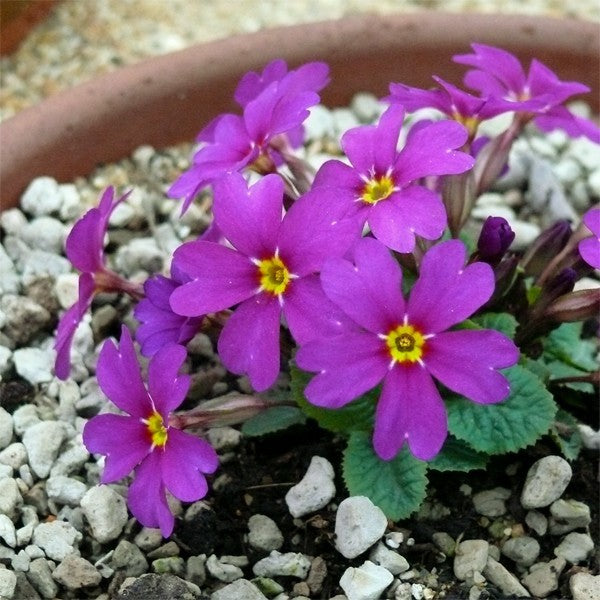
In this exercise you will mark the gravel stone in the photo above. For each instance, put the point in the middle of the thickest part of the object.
(500, 576)
(316, 575)
(148, 539)
(34, 364)
(241, 589)
(74, 456)
(264, 533)
(6, 428)
(546, 481)
(139, 254)
(105, 511)
(315, 490)
(195, 569)
(24, 417)
(224, 438)
(471, 556)
(8, 582)
(41, 197)
(289, 564)
(366, 582)
(394, 562)
(543, 577)
(24, 317)
(157, 587)
(523, 550)
(525, 233)
(38, 264)
(21, 561)
(575, 547)
(567, 515)
(14, 455)
(174, 565)
(65, 490)
(164, 551)
(223, 571)
(491, 503)
(10, 497)
(74, 572)
(40, 577)
(358, 525)
(6, 361)
(66, 288)
(42, 442)
(537, 521)
(44, 233)
(57, 539)
(585, 586)
(7, 531)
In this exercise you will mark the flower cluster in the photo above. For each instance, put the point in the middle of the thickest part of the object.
(352, 261)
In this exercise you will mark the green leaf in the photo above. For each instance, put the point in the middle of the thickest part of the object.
(273, 419)
(560, 369)
(456, 455)
(503, 322)
(397, 486)
(565, 344)
(358, 415)
(517, 422)
(566, 434)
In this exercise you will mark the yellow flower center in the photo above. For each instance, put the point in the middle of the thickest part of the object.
(274, 276)
(377, 189)
(469, 123)
(405, 344)
(156, 429)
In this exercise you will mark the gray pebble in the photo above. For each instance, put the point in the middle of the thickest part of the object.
(585, 586)
(366, 582)
(224, 438)
(358, 525)
(567, 515)
(45, 233)
(14, 455)
(543, 577)
(195, 570)
(165, 550)
(40, 577)
(394, 562)
(500, 576)
(34, 364)
(546, 481)
(319, 123)
(523, 550)
(241, 589)
(24, 417)
(10, 497)
(10, 282)
(139, 254)
(289, 564)
(264, 533)
(41, 197)
(12, 221)
(537, 521)
(367, 107)
(148, 539)
(315, 490)
(75, 572)
(586, 152)
(343, 119)
(42, 442)
(65, 490)
(525, 233)
(8, 582)
(223, 571)
(7, 530)
(130, 559)
(38, 263)
(575, 547)
(6, 361)
(57, 539)
(174, 565)
(105, 511)
(24, 317)
(491, 503)
(6, 428)
(471, 556)
(21, 561)
(567, 170)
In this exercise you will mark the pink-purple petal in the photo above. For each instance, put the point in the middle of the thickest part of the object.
(249, 342)
(348, 365)
(447, 292)
(146, 498)
(465, 361)
(119, 377)
(410, 410)
(166, 386)
(249, 217)
(123, 440)
(221, 277)
(368, 291)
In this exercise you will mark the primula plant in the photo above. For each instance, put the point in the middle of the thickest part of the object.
(423, 345)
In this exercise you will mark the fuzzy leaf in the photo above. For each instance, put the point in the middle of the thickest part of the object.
(356, 416)
(456, 455)
(509, 426)
(565, 433)
(560, 369)
(503, 322)
(565, 344)
(397, 486)
(273, 419)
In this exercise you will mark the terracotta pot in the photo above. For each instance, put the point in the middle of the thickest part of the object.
(167, 99)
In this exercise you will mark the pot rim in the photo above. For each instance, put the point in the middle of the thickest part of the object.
(107, 117)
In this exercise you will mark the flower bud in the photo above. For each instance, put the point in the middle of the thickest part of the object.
(545, 247)
(575, 306)
(494, 240)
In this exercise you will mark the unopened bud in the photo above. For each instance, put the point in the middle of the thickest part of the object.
(575, 306)
(494, 240)
(545, 247)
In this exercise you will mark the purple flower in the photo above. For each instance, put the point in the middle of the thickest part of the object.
(84, 247)
(499, 74)
(589, 247)
(164, 458)
(269, 270)
(494, 240)
(403, 344)
(379, 188)
(160, 325)
(275, 104)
